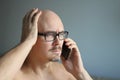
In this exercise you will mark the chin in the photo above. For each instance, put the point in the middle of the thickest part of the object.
(55, 59)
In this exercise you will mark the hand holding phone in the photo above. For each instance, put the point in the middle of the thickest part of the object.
(65, 51)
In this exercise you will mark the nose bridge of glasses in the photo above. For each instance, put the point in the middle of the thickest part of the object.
(56, 36)
(57, 40)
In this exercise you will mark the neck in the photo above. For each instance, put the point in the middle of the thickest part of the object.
(37, 62)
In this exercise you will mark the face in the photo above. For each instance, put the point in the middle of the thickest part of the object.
(49, 50)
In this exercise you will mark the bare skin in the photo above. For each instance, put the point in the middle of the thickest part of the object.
(36, 59)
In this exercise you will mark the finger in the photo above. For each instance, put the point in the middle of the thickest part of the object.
(32, 15)
(36, 17)
(70, 42)
(72, 45)
(26, 17)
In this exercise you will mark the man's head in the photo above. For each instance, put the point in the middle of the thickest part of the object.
(48, 47)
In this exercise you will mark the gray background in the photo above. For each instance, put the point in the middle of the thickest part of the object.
(93, 24)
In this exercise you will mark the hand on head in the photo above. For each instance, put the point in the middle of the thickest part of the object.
(30, 29)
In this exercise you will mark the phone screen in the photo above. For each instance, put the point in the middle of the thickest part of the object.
(65, 51)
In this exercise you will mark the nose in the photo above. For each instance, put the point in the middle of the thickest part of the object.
(57, 41)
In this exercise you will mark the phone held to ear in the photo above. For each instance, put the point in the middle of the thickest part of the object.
(65, 51)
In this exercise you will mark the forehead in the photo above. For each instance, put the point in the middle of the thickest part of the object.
(49, 21)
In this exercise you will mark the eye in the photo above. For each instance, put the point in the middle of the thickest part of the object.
(50, 35)
(63, 35)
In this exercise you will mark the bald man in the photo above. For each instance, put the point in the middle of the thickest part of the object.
(38, 54)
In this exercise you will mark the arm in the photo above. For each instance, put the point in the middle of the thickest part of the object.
(74, 63)
(12, 61)
(83, 76)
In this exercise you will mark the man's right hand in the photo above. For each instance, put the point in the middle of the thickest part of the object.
(13, 60)
(30, 29)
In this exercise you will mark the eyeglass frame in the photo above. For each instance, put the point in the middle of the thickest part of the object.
(55, 35)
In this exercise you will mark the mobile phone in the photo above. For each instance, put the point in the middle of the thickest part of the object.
(65, 51)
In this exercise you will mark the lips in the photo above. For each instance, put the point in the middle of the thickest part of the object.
(56, 51)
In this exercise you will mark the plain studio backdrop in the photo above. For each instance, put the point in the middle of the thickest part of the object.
(93, 24)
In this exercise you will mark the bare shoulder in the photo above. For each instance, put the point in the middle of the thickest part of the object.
(22, 75)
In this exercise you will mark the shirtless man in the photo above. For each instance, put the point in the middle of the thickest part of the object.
(36, 57)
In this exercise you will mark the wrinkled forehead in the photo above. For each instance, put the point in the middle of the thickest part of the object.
(49, 21)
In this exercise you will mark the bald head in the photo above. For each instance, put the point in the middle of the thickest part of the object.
(49, 20)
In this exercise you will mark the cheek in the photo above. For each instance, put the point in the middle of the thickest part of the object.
(44, 47)
(42, 44)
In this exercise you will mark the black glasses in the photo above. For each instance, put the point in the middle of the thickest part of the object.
(51, 36)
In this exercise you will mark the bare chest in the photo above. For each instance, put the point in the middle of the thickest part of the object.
(48, 76)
